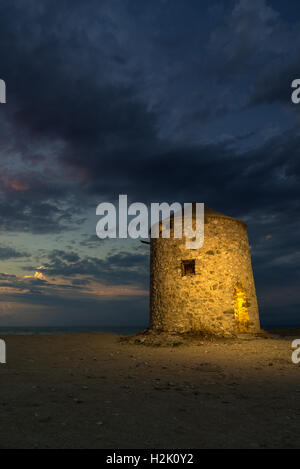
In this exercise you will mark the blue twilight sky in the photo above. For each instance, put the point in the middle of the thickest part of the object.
(163, 100)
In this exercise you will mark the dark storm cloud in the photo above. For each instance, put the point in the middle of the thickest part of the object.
(80, 282)
(265, 177)
(238, 46)
(11, 253)
(7, 277)
(35, 202)
(91, 241)
(34, 217)
(123, 268)
(275, 85)
(109, 136)
(64, 256)
(20, 284)
(54, 98)
(34, 285)
(276, 250)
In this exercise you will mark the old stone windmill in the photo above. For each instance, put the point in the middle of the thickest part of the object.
(209, 289)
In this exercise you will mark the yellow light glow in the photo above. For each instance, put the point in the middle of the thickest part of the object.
(37, 274)
(241, 312)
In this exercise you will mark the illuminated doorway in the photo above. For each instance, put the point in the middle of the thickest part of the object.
(241, 312)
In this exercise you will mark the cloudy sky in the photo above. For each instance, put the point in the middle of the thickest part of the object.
(163, 100)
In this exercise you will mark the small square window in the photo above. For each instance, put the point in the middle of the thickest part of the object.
(188, 267)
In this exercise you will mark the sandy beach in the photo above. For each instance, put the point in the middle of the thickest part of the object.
(93, 391)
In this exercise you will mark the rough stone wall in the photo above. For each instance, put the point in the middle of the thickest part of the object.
(203, 301)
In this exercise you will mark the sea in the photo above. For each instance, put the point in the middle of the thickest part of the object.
(121, 330)
(69, 330)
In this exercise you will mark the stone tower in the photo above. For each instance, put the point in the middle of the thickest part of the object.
(209, 289)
